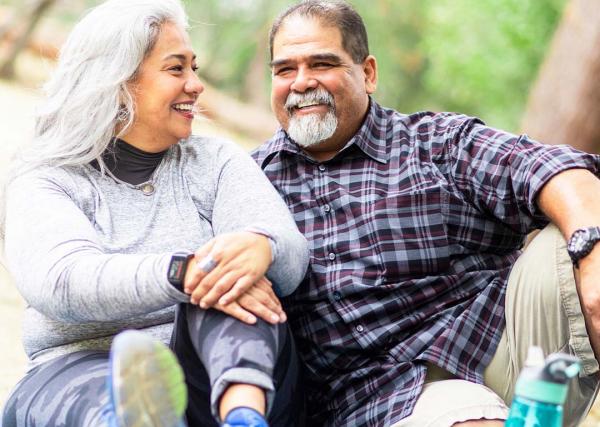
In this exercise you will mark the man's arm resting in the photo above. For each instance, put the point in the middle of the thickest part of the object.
(571, 200)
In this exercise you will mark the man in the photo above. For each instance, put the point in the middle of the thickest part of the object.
(417, 293)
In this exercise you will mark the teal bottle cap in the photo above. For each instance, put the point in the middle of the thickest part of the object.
(542, 391)
(546, 380)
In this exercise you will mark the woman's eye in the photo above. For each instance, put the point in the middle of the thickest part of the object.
(177, 68)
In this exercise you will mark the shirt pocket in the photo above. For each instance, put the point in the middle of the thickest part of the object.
(410, 232)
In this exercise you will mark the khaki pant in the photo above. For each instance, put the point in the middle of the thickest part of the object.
(542, 308)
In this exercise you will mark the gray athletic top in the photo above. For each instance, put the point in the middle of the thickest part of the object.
(89, 253)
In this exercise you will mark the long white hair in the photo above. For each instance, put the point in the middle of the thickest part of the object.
(87, 101)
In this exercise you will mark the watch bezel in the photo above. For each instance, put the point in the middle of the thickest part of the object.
(582, 242)
(177, 268)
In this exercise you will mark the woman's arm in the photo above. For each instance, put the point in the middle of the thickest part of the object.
(255, 233)
(59, 267)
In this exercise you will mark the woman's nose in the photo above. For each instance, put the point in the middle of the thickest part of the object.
(194, 85)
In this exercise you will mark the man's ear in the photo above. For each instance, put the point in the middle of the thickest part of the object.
(370, 69)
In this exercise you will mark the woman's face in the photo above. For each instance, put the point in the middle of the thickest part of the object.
(164, 90)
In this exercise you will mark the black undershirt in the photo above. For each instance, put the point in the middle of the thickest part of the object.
(128, 163)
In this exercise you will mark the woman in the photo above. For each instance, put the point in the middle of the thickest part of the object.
(117, 218)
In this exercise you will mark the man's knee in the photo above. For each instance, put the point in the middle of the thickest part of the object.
(541, 299)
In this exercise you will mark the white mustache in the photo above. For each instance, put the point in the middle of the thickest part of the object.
(319, 96)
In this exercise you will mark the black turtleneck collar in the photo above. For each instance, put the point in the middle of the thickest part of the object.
(128, 163)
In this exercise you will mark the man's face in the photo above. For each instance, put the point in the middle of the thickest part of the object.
(319, 95)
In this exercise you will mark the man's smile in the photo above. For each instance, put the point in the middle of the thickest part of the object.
(310, 108)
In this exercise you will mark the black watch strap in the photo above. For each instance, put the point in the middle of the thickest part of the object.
(177, 269)
(582, 242)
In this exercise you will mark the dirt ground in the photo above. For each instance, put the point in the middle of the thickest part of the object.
(16, 106)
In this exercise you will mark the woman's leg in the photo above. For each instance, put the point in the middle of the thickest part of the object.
(262, 354)
(69, 390)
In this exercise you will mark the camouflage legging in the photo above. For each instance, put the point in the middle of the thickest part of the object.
(71, 390)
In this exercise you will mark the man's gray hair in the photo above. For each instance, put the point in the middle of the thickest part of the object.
(87, 99)
(335, 13)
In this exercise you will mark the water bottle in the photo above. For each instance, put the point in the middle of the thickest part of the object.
(541, 389)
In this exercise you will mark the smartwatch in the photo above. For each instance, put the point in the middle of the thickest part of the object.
(582, 242)
(177, 269)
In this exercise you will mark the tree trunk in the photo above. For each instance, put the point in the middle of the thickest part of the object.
(7, 67)
(564, 104)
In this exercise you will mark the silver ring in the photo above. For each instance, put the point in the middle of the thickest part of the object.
(207, 264)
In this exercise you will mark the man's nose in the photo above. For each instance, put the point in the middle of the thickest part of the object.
(304, 81)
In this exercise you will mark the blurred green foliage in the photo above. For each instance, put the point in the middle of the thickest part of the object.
(482, 59)
(476, 57)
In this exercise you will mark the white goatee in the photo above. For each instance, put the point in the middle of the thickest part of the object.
(310, 129)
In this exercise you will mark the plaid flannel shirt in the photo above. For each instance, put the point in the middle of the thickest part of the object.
(413, 229)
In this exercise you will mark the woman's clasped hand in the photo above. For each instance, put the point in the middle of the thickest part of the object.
(236, 283)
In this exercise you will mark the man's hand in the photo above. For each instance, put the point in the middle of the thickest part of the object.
(240, 260)
(587, 277)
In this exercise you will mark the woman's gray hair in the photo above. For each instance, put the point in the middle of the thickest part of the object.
(87, 100)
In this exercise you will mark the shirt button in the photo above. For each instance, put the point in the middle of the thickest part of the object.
(322, 168)
(360, 328)
(331, 256)
(337, 296)
(326, 208)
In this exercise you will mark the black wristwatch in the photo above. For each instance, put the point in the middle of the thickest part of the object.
(177, 269)
(582, 242)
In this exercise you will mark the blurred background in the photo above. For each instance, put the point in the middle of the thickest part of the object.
(528, 66)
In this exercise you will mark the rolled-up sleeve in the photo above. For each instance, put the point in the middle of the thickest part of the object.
(502, 173)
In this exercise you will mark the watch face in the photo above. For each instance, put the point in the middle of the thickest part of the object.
(582, 242)
(177, 268)
(578, 241)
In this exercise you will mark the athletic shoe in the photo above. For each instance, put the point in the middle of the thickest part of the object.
(146, 383)
(244, 417)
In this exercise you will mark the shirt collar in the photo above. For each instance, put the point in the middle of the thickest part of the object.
(370, 138)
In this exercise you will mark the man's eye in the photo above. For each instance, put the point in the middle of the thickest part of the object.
(282, 71)
(323, 65)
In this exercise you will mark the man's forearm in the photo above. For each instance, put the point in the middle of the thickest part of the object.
(571, 200)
